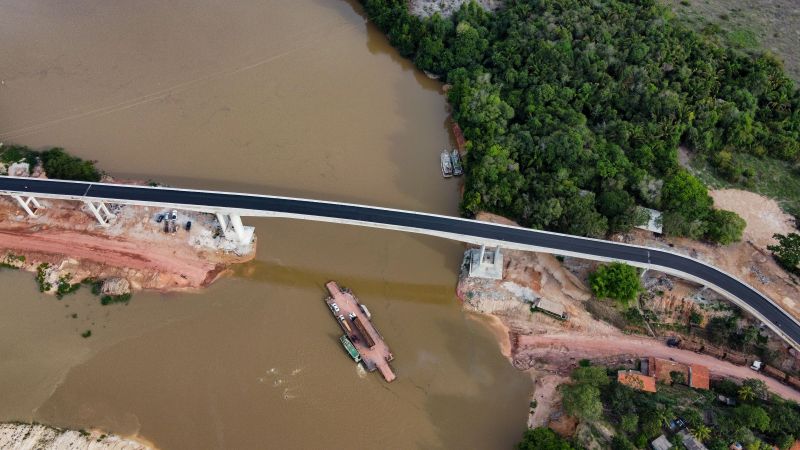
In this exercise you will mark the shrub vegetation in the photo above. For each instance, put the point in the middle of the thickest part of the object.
(616, 280)
(56, 162)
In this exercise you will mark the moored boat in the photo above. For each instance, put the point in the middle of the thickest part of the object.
(455, 158)
(350, 348)
(447, 164)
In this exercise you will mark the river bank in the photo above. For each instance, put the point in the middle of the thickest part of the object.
(64, 245)
(548, 349)
(42, 437)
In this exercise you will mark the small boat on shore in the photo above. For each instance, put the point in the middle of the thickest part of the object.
(447, 164)
(455, 158)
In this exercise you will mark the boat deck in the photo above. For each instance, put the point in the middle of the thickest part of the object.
(375, 358)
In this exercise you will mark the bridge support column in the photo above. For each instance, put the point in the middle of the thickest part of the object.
(101, 212)
(25, 204)
(233, 229)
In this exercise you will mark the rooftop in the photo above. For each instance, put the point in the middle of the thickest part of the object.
(691, 442)
(653, 223)
(661, 443)
(698, 376)
(637, 380)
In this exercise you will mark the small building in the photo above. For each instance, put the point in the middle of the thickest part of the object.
(485, 263)
(661, 443)
(662, 369)
(637, 380)
(653, 221)
(691, 442)
(699, 377)
(550, 308)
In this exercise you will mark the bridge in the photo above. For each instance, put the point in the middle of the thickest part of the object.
(231, 206)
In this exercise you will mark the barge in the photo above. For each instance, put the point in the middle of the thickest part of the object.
(458, 168)
(361, 340)
(447, 164)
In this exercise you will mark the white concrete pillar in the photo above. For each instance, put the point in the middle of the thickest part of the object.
(101, 212)
(222, 223)
(236, 221)
(25, 204)
(233, 229)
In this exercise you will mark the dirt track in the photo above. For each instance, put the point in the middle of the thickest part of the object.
(554, 347)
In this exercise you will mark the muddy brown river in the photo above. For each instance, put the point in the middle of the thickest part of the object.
(282, 97)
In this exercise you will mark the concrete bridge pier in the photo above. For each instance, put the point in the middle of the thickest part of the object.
(233, 229)
(101, 212)
(26, 202)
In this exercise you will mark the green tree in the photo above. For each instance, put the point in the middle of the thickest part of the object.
(629, 423)
(753, 417)
(702, 432)
(686, 195)
(592, 375)
(582, 401)
(746, 393)
(620, 209)
(758, 387)
(543, 439)
(724, 227)
(787, 252)
(677, 377)
(58, 164)
(695, 318)
(621, 443)
(719, 329)
(616, 280)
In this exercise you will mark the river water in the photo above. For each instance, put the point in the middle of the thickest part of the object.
(282, 97)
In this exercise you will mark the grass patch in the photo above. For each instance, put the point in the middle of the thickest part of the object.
(773, 178)
(747, 24)
(743, 38)
(86, 334)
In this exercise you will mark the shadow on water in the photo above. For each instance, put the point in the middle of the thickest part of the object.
(272, 273)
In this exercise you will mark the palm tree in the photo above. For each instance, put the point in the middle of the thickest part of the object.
(746, 393)
(702, 432)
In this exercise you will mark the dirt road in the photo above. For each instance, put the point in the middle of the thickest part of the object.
(555, 346)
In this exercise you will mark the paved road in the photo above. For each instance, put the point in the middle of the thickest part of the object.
(777, 318)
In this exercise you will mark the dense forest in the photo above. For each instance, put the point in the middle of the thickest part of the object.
(574, 110)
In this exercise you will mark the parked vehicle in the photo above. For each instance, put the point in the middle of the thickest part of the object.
(159, 218)
(174, 215)
(188, 225)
